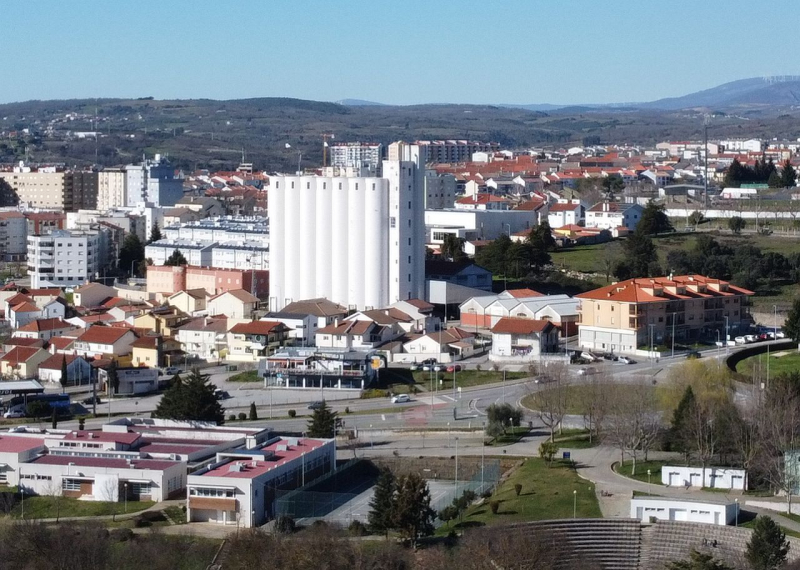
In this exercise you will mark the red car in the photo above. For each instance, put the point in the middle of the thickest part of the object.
(454, 368)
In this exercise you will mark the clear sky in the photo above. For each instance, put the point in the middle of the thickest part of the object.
(411, 51)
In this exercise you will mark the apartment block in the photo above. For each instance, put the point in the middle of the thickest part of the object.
(80, 190)
(111, 190)
(13, 236)
(37, 189)
(168, 280)
(638, 313)
(64, 258)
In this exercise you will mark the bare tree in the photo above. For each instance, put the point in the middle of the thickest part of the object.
(108, 490)
(778, 437)
(53, 489)
(633, 422)
(550, 401)
(593, 402)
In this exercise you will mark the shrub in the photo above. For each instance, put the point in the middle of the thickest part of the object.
(495, 506)
(232, 418)
(292, 413)
(242, 416)
(121, 534)
(374, 393)
(347, 410)
(153, 516)
(284, 525)
(141, 523)
(518, 489)
(486, 494)
(357, 528)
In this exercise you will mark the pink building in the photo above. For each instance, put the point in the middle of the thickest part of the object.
(170, 280)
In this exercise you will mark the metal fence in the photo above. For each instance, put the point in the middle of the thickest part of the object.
(484, 480)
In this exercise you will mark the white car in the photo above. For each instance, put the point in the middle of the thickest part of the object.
(439, 368)
(414, 367)
(401, 399)
(14, 414)
(750, 338)
(626, 360)
(586, 371)
(740, 340)
(780, 334)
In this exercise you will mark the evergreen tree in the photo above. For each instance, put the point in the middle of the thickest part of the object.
(699, 561)
(788, 175)
(253, 412)
(176, 259)
(768, 547)
(155, 233)
(54, 419)
(654, 220)
(452, 248)
(131, 252)
(63, 379)
(381, 506)
(413, 515)
(112, 378)
(192, 399)
(613, 184)
(640, 253)
(792, 324)
(680, 420)
(8, 196)
(322, 422)
(541, 237)
(493, 255)
(736, 224)
(774, 180)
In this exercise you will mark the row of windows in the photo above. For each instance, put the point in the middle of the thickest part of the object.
(203, 492)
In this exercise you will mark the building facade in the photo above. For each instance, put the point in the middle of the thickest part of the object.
(356, 155)
(63, 258)
(356, 241)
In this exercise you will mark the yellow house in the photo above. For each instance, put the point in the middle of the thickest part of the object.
(236, 304)
(22, 362)
(162, 320)
(189, 301)
(147, 351)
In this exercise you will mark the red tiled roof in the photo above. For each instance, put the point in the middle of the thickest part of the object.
(259, 327)
(639, 290)
(18, 444)
(22, 341)
(99, 334)
(19, 355)
(481, 199)
(561, 207)
(147, 341)
(25, 308)
(240, 294)
(356, 328)
(514, 325)
(61, 342)
(54, 362)
(523, 293)
(40, 325)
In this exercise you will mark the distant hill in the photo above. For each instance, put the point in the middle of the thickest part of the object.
(780, 91)
(359, 103)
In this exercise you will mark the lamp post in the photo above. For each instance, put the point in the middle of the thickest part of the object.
(456, 477)
(727, 336)
(651, 340)
(673, 334)
(649, 489)
(483, 453)
(125, 492)
(574, 503)
(737, 511)
(505, 267)
(719, 345)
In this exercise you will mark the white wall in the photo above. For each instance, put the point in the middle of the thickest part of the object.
(714, 477)
(643, 508)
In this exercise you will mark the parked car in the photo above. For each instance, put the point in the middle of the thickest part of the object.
(626, 360)
(429, 361)
(401, 399)
(172, 371)
(316, 405)
(740, 340)
(780, 334)
(414, 367)
(588, 356)
(454, 368)
(610, 356)
(92, 400)
(586, 371)
(439, 367)
(18, 413)
(763, 336)
(750, 338)
(428, 367)
(693, 354)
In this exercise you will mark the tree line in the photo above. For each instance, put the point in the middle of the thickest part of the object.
(762, 172)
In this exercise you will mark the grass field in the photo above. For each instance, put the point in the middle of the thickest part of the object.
(512, 436)
(465, 378)
(547, 493)
(575, 439)
(641, 470)
(777, 364)
(248, 376)
(576, 394)
(49, 507)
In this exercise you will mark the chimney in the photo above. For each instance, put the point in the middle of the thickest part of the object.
(605, 206)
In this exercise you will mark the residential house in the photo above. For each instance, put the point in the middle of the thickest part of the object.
(79, 371)
(611, 215)
(203, 337)
(483, 201)
(127, 313)
(92, 294)
(322, 313)
(445, 346)
(561, 310)
(45, 329)
(523, 338)
(365, 329)
(236, 304)
(161, 320)
(463, 273)
(10, 343)
(302, 327)
(99, 340)
(644, 312)
(22, 314)
(420, 314)
(22, 362)
(250, 342)
(147, 351)
(190, 301)
(566, 212)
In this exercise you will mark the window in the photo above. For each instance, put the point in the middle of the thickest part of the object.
(140, 488)
(392, 222)
(70, 485)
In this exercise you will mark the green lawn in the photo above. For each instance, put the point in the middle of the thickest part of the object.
(576, 394)
(586, 259)
(641, 470)
(547, 493)
(249, 376)
(465, 378)
(47, 507)
(779, 362)
(511, 436)
(575, 439)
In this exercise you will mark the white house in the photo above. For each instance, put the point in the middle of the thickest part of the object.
(712, 477)
(44, 329)
(566, 212)
(204, 337)
(523, 338)
(445, 346)
(235, 304)
(79, 371)
(671, 509)
(103, 340)
(92, 294)
(611, 215)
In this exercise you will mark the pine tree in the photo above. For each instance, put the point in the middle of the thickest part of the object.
(64, 378)
(176, 259)
(253, 412)
(54, 419)
(131, 252)
(112, 378)
(792, 324)
(381, 506)
(774, 180)
(192, 399)
(768, 547)
(155, 234)
(788, 175)
(680, 418)
(654, 220)
(413, 515)
(322, 422)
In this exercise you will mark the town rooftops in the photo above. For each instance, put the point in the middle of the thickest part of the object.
(356, 328)
(420, 305)
(514, 325)
(18, 444)
(240, 294)
(215, 324)
(562, 207)
(99, 334)
(259, 327)
(105, 462)
(55, 361)
(23, 341)
(272, 456)
(147, 341)
(520, 293)
(19, 355)
(41, 325)
(25, 307)
(660, 289)
(128, 438)
(617, 207)
(319, 307)
(60, 342)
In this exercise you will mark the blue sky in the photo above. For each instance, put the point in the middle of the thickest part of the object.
(411, 51)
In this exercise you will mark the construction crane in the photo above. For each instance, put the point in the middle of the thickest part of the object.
(325, 137)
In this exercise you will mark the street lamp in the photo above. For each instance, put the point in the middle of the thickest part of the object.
(125, 492)
(649, 489)
(737, 511)
(574, 503)
(456, 477)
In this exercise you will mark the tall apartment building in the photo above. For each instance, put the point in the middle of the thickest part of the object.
(357, 155)
(111, 189)
(446, 151)
(357, 241)
(43, 188)
(638, 313)
(64, 258)
(13, 236)
(152, 181)
(80, 190)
